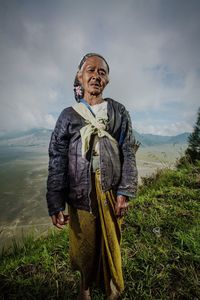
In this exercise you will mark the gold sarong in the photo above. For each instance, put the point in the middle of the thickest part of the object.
(95, 241)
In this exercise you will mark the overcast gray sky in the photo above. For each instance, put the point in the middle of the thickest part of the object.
(152, 48)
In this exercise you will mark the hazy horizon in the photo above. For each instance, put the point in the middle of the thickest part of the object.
(4, 133)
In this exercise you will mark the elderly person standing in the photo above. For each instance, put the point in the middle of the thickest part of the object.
(92, 168)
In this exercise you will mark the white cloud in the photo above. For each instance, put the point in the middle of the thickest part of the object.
(43, 42)
(50, 121)
(169, 129)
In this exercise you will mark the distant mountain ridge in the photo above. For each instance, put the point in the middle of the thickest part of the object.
(41, 137)
(33, 137)
(147, 139)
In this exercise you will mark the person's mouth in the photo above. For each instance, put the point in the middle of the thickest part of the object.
(96, 85)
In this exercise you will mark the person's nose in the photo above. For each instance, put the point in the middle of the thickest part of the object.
(95, 75)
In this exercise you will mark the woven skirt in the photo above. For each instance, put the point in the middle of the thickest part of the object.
(95, 241)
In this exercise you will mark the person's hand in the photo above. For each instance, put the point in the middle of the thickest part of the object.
(59, 219)
(121, 205)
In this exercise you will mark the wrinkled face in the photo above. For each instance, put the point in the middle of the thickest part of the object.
(93, 76)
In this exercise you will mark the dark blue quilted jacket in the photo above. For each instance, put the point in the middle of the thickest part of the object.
(69, 179)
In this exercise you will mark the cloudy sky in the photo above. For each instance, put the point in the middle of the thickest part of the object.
(152, 47)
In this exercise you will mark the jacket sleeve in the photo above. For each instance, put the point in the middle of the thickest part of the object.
(58, 161)
(129, 173)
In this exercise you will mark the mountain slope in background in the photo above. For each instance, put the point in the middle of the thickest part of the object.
(41, 137)
(34, 137)
(147, 139)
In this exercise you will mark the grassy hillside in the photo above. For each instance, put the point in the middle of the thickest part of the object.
(161, 248)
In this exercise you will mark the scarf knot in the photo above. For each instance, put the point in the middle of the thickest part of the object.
(93, 126)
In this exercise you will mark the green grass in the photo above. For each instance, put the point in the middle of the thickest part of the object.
(160, 249)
